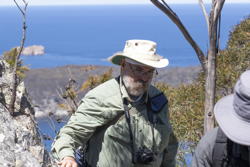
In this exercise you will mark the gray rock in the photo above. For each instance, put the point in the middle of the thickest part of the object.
(20, 142)
(33, 50)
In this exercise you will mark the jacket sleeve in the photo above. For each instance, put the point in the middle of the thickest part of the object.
(169, 157)
(201, 157)
(204, 150)
(89, 115)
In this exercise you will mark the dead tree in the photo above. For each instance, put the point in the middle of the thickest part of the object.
(208, 62)
(14, 82)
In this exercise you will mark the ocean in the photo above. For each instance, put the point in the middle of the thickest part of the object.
(84, 35)
(87, 35)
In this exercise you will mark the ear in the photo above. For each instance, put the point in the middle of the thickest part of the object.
(122, 63)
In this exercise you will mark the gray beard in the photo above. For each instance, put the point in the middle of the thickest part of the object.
(134, 89)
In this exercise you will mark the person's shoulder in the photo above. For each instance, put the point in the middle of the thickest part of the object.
(204, 151)
(163, 114)
(105, 90)
(207, 142)
(210, 136)
(153, 91)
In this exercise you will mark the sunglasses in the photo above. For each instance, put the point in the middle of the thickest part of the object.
(138, 71)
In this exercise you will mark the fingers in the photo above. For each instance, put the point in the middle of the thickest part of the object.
(67, 162)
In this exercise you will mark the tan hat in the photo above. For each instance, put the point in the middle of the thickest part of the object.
(233, 112)
(141, 51)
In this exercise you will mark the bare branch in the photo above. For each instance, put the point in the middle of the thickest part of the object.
(60, 94)
(208, 63)
(210, 86)
(21, 10)
(205, 13)
(169, 12)
(14, 83)
(72, 107)
(218, 7)
(51, 124)
(168, 7)
(70, 73)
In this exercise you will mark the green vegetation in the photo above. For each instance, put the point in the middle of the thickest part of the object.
(10, 58)
(234, 59)
(95, 80)
(186, 102)
(71, 92)
(186, 110)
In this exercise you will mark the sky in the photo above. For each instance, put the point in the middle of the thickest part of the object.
(103, 2)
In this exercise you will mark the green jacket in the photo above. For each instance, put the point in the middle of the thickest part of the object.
(100, 119)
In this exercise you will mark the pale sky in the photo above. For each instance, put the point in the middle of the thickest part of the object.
(104, 2)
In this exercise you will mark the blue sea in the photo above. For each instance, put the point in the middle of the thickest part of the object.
(89, 34)
(83, 35)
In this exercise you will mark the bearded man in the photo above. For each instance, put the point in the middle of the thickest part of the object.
(123, 122)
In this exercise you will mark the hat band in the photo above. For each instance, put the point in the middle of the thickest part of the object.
(241, 106)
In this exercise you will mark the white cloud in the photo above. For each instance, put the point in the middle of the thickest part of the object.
(104, 2)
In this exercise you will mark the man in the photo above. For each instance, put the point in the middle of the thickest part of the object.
(124, 121)
(228, 145)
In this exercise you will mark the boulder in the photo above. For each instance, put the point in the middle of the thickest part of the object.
(33, 50)
(20, 141)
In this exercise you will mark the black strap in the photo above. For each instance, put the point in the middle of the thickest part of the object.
(151, 116)
(128, 120)
(127, 115)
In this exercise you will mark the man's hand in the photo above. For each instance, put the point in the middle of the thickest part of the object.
(68, 162)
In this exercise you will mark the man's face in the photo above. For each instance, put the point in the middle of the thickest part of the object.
(136, 78)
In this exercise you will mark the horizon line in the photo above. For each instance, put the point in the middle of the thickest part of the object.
(117, 4)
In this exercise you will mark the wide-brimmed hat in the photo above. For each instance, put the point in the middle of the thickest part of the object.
(141, 51)
(233, 112)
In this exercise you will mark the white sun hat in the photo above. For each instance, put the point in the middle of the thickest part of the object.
(233, 112)
(141, 51)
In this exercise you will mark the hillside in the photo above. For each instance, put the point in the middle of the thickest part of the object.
(43, 84)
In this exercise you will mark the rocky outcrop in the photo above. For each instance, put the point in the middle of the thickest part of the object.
(20, 141)
(33, 50)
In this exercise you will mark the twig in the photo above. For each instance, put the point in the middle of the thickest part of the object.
(217, 9)
(205, 13)
(61, 96)
(173, 16)
(51, 124)
(14, 83)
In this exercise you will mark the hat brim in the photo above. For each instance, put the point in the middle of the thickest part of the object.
(231, 124)
(117, 57)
